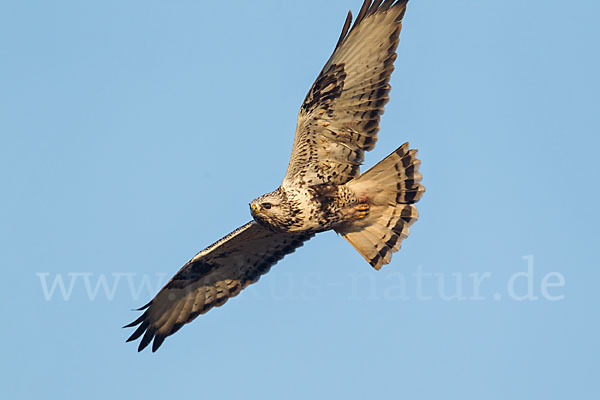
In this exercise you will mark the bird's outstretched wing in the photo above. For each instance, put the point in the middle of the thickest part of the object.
(209, 279)
(339, 118)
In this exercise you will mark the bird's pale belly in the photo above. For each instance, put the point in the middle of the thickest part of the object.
(320, 208)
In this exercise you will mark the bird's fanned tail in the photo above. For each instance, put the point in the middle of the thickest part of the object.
(390, 189)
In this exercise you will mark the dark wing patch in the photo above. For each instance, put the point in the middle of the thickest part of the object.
(327, 87)
(209, 279)
(339, 118)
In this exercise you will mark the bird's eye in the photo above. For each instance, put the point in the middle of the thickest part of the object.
(266, 206)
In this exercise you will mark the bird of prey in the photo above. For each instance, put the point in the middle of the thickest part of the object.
(323, 188)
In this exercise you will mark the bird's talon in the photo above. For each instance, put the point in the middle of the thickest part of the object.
(362, 210)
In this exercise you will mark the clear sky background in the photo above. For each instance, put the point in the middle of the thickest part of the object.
(134, 133)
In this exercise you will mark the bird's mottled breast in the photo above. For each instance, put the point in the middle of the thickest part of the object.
(318, 205)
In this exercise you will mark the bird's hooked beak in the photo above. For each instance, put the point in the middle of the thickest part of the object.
(255, 209)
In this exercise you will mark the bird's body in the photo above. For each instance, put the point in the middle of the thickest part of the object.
(323, 188)
(308, 209)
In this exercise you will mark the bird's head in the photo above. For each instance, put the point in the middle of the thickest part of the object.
(270, 209)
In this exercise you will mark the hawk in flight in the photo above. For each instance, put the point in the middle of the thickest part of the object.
(323, 188)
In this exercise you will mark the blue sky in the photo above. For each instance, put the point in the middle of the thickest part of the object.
(134, 133)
